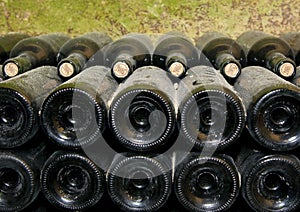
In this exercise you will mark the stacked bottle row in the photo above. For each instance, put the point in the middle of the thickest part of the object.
(150, 111)
(131, 96)
(182, 181)
(173, 52)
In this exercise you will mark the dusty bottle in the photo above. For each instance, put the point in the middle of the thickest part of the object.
(19, 176)
(224, 53)
(139, 183)
(71, 181)
(211, 113)
(142, 115)
(20, 100)
(268, 51)
(175, 54)
(270, 182)
(293, 38)
(128, 53)
(273, 108)
(75, 53)
(33, 52)
(74, 113)
(7, 42)
(206, 183)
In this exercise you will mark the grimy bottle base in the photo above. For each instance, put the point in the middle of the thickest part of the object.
(139, 183)
(206, 183)
(270, 182)
(71, 181)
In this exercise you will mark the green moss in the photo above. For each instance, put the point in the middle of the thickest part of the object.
(118, 17)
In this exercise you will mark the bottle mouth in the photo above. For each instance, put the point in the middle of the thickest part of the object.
(286, 69)
(11, 69)
(17, 183)
(207, 184)
(212, 117)
(121, 70)
(272, 184)
(71, 181)
(275, 120)
(72, 117)
(231, 70)
(138, 183)
(177, 69)
(16, 119)
(66, 69)
(142, 119)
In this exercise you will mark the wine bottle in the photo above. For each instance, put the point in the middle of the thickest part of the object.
(139, 183)
(71, 181)
(224, 53)
(268, 51)
(211, 113)
(273, 108)
(293, 38)
(20, 100)
(74, 113)
(128, 53)
(175, 53)
(74, 53)
(270, 182)
(206, 183)
(7, 42)
(142, 114)
(32, 52)
(296, 79)
(19, 175)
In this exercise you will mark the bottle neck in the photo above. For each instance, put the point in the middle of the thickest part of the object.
(176, 64)
(18, 65)
(228, 65)
(281, 65)
(71, 65)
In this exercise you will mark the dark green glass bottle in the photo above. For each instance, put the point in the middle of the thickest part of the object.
(224, 53)
(293, 38)
(75, 53)
(142, 114)
(270, 182)
(175, 53)
(273, 108)
(211, 113)
(71, 181)
(20, 173)
(20, 101)
(128, 53)
(33, 52)
(139, 182)
(206, 183)
(268, 51)
(7, 42)
(74, 114)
